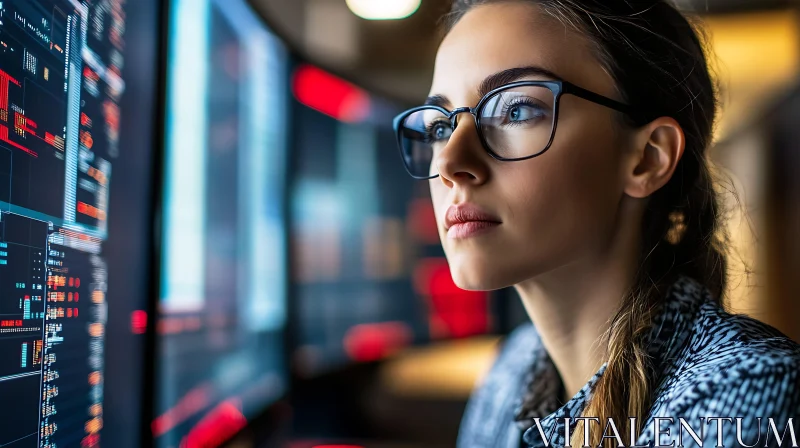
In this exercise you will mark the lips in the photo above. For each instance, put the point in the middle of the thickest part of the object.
(465, 220)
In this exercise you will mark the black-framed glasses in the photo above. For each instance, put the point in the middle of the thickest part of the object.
(516, 121)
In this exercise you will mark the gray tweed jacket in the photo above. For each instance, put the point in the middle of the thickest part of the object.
(708, 363)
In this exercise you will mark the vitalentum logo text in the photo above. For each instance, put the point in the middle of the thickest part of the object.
(679, 432)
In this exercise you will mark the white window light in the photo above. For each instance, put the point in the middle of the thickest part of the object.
(383, 9)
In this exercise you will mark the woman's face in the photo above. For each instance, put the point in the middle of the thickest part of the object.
(554, 209)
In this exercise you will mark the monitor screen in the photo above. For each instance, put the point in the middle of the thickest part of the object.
(222, 286)
(369, 276)
(77, 97)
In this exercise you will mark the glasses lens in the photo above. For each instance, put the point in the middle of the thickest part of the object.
(423, 134)
(518, 122)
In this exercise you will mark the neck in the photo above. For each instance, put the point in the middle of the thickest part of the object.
(572, 306)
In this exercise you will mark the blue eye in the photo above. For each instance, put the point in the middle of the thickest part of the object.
(439, 130)
(523, 112)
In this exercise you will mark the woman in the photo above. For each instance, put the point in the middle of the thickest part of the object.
(565, 145)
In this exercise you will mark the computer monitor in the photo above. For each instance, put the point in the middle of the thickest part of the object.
(369, 276)
(77, 97)
(223, 258)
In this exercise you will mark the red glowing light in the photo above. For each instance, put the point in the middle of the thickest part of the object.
(220, 424)
(5, 79)
(454, 312)
(90, 440)
(193, 402)
(88, 73)
(138, 322)
(329, 94)
(4, 137)
(369, 342)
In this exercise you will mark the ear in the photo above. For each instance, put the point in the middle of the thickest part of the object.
(658, 147)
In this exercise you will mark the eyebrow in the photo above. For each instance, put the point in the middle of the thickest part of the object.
(498, 79)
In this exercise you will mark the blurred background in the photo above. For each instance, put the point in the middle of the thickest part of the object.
(382, 347)
(260, 270)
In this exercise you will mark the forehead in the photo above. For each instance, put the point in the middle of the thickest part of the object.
(496, 37)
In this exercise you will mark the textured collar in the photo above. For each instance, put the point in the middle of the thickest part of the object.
(543, 385)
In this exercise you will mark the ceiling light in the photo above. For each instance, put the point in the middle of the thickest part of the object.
(383, 9)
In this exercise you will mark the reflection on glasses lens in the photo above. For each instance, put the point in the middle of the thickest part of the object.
(422, 135)
(518, 122)
(514, 123)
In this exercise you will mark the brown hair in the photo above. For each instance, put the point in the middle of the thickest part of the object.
(657, 59)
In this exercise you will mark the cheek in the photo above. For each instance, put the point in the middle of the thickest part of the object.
(439, 194)
(584, 164)
(569, 195)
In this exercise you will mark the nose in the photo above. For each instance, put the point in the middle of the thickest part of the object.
(462, 160)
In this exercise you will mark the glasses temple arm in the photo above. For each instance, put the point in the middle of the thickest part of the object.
(597, 98)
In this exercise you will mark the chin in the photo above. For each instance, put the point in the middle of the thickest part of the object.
(477, 275)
